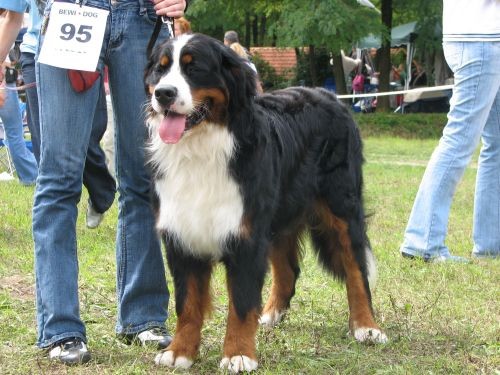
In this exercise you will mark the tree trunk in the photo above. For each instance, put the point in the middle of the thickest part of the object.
(248, 28)
(312, 65)
(255, 30)
(338, 73)
(384, 58)
(262, 29)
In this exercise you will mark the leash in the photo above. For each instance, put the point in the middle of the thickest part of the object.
(162, 20)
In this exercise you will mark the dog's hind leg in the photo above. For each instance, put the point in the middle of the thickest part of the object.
(245, 269)
(191, 280)
(284, 257)
(344, 251)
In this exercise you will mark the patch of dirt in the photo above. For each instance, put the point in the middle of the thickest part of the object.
(19, 287)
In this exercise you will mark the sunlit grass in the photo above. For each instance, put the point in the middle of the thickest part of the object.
(440, 318)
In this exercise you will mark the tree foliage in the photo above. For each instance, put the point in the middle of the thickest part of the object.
(335, 24)
(329, 25)
(292, 23)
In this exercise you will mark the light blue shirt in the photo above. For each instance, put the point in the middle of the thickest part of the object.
(30, 39)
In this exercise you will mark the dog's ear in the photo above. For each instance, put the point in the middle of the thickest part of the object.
(239, 78)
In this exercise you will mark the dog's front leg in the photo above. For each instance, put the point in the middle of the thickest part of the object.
(192, 294)
(245, 276)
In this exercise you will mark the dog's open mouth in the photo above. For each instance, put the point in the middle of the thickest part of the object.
(174, 124)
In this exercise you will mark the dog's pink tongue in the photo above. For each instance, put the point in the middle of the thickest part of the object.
(172, 127)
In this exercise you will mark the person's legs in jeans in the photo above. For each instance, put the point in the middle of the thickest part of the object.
(486, 232)
(470, 105)
(96, 177)
(28, 70)
(141, 283)
(23, 159)
(65, 124)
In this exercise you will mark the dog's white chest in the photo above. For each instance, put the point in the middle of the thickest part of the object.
(199, 201)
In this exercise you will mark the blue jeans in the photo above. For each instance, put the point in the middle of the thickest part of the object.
(28, 69)
(97, 179)
(474, 115)
(66, 123)
(23, 159)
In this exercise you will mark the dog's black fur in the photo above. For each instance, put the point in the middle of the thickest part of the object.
(297, 163)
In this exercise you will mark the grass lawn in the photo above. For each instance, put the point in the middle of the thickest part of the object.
(440, 318)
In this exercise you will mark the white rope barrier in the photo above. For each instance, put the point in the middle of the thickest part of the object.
(400, 92)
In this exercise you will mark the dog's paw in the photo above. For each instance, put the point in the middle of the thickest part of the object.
(167, 358)
(271, 318)
(238, 363)
(370, 335)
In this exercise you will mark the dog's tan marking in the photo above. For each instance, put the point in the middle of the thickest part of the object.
(240, 334)
(217, 95)
(186, 58)
(328, 229)
(359, 306)
(284, 257)
(245, 227)
(218, 103)
(187, 337)
(164, 61)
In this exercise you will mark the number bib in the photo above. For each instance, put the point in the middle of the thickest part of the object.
(74, 37)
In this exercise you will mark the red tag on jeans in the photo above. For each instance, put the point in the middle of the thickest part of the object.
(81, 80)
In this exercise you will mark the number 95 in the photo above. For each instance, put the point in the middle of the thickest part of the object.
(83, 34)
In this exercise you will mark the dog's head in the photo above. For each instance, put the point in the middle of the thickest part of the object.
(195, 79)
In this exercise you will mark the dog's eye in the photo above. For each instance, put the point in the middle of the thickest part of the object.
(162, 65)
(160, 68)
(187, 59)
(164, 61)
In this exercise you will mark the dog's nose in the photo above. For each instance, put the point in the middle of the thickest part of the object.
(166, 95)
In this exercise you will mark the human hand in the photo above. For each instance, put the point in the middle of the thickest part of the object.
(170, 8)
(2, 97)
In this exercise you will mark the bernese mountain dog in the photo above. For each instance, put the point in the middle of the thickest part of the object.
(238, 178)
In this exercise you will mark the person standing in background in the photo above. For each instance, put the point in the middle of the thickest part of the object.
(232, 41)
(471, 43)
(10, 114)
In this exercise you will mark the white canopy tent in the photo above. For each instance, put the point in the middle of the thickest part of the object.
(402, 35)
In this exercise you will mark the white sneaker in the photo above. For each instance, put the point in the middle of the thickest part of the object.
(94, 218)
(154, 336)
(71, 351)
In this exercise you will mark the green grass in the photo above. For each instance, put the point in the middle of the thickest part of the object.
(440, 318)
(409, 126)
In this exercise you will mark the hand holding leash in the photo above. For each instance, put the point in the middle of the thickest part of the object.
(170, 8)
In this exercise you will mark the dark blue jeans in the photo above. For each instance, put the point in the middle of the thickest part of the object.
(28, 70)
(96, 177)
(142, 293)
